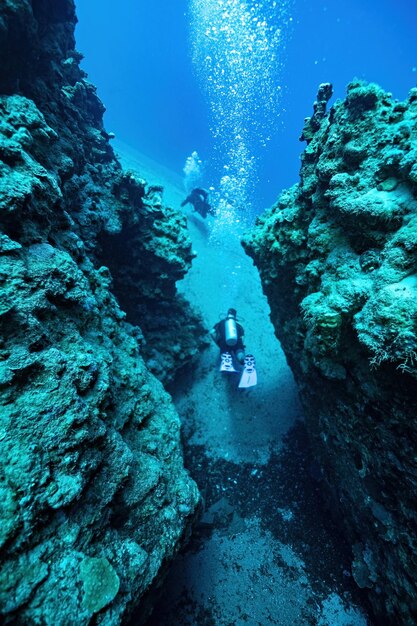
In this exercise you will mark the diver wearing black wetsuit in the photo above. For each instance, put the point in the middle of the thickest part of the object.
(230, 339)
(199, 199)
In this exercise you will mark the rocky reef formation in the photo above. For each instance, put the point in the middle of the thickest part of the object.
(94, 496)
(338, 260)
(144, 275)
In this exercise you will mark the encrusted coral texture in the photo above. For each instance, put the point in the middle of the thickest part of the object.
(94, 495)
(337, 257)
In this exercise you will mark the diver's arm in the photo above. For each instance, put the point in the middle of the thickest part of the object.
(186, 201)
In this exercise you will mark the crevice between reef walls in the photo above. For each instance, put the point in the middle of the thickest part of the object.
(337, 256)
(94, 495)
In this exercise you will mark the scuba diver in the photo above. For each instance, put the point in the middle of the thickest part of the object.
(228, 335)
(199, 199)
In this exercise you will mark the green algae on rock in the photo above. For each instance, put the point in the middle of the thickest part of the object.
(92, 480)
(100, 583)
(337, 258)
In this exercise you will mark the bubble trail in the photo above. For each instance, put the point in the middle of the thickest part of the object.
(237, 47)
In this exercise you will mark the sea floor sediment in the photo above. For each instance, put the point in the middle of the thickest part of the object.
(265, 551)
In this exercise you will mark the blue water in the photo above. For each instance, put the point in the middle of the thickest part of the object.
(139, 54)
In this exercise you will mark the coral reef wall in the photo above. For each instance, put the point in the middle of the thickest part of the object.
(94, 496)
(338, 260)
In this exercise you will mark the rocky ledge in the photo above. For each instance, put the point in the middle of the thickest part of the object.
(94, 495)
(338, 260)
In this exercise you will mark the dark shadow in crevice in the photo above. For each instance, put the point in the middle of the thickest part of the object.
(285, 496)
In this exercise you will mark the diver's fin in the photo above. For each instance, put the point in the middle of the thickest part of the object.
(249, 377)
(226, 363)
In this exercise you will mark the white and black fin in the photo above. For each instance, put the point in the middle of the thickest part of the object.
(226, 363)
(249, 377)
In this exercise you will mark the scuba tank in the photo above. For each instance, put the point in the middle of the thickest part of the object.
(230, 331)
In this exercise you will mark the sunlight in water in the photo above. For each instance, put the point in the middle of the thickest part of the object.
(237, 47)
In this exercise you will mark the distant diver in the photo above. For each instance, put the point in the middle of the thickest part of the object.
(228, 335)
(199, 199)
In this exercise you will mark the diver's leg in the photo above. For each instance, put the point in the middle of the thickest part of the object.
(240, 356)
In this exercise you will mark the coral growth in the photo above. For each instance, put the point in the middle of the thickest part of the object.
(337, 257)
(94, 495)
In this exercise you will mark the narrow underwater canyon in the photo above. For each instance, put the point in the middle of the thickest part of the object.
(96, 502)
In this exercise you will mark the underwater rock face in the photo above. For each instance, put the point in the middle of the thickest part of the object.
(94, 495)
(337, 258)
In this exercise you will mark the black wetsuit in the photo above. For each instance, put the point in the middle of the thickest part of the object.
(199, 199)
(220, 337)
